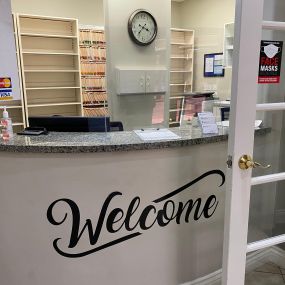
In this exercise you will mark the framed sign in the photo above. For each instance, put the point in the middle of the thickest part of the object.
(213, 65)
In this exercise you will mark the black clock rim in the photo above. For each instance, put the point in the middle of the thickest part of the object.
(131, 31)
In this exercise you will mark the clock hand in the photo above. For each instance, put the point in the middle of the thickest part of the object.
(142, 27)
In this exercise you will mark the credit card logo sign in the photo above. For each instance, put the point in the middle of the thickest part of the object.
(5, 83)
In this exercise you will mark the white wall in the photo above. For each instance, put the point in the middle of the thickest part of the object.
(176, 20)
(135, 111)
(208, 19)
(8, 58)
(88, 12)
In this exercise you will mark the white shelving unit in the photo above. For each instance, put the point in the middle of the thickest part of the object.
(181, 72)
(93, 71)
(50, 65)
(228, 44)
(16, 108)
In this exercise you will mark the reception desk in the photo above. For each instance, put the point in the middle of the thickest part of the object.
(111, 209)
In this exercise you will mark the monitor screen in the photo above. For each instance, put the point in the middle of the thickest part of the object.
(71, 124)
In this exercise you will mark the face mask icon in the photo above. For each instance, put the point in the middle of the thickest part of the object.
(270, 50)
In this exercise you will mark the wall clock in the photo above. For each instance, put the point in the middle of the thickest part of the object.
(142, 27)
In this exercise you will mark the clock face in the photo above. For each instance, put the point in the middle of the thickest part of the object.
(142, 27)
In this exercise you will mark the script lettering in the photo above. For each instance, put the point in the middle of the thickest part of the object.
(161, 212)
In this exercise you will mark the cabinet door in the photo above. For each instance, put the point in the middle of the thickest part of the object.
(156, 81)
(130, 82)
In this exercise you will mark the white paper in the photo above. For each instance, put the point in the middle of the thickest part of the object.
(208, 123)
(210, 129)
(156, 134)
(218, 69)
(257, 123)
(209, 66)
(218, 57)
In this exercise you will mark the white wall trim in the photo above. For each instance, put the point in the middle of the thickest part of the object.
(254, 260)
(266, 243)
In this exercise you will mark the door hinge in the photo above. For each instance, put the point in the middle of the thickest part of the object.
(230, 161)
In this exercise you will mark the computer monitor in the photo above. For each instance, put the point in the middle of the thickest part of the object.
(71, 123)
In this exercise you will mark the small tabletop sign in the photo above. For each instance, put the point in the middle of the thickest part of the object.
(208, 123)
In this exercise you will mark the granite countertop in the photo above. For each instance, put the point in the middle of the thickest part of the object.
(106, 142)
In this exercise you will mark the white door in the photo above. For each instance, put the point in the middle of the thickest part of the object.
(249, 26)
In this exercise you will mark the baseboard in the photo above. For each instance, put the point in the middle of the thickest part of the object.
(254, 260)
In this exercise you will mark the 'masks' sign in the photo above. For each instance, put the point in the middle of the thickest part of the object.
(159, 212)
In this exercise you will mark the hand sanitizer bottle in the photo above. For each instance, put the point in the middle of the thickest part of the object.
(6, 125)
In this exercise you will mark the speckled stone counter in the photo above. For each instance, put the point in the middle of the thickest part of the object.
(105, 142)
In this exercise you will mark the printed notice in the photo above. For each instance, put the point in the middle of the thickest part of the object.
(213, 65)
(270, 62)
(156, 134)
(208, 123)
(209, 64)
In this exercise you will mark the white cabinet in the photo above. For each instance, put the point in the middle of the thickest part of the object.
(228, 44)
(156, 81)
(141, 81)
(130, 82)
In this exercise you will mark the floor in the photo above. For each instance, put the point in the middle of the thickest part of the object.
(267, 274)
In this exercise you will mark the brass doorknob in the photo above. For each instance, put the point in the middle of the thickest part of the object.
(246, 162)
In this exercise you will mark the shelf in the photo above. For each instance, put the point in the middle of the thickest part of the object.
(37, 17)
(49, 48)
(51, 88)
(86, 90)
(93, 45)
(181, 30)
(180, 84)
(176, 97)
(175, 110)
(182, 44)
(17, 124)
(47, 52)
(93, 75)
(11, 107)
(47, 36)
(96, 105)
(92, 60)
(51, 70)
(53, 104)
(228, 44)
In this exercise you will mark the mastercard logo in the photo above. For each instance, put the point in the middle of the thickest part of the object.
(5, 83)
